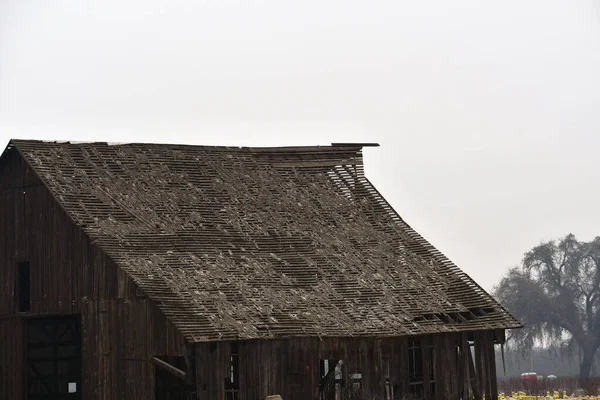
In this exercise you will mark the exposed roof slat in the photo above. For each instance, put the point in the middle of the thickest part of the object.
(260, 242)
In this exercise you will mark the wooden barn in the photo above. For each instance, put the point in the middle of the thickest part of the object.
(169, 272)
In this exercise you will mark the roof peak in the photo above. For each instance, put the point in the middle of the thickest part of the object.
(332, 146)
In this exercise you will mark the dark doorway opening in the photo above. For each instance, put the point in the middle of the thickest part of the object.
(169, 386)
(331, 383)
(53, 358)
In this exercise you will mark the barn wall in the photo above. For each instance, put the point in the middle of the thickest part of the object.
(33, 228)
(120, 336)
(11, 358)
(290, 368)
(65, 267)
(121, 328)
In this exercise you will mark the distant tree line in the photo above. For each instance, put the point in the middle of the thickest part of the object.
(556, 293)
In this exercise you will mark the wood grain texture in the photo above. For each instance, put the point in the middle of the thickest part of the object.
(249, 243)
(177, 251)
(71, 275)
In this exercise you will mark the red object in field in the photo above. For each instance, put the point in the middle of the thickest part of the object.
(529, 378)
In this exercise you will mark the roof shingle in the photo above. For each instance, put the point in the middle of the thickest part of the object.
(241, 243)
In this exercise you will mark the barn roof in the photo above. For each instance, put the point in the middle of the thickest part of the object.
(242, 243)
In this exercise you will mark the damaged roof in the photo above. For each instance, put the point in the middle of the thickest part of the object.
(246, 243)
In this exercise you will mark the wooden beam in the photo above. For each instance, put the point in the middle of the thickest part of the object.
(441, 375)
(402, 370)
(355, 144)
(492, 368)
(480, 361)
(463, 366)
(168, 367)
(190, 362)
(503, 363)
(500, 336)
(486, 337)
(425, 354)
(473, 376)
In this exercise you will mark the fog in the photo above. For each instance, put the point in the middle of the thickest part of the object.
(487, 112)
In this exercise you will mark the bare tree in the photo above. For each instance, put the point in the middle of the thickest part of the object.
(556, 293)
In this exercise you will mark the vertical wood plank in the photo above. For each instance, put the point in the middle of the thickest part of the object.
(11, 358)
(441, 374)
(425, 340)
(474, 379)
(464, 366)
(491, 366)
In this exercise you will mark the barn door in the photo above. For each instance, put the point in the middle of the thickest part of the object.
(53, 358)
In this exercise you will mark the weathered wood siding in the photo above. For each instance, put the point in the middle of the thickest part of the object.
(33, 228)
(290, 368)
(120, 336)
(11, 358)
(121, 328)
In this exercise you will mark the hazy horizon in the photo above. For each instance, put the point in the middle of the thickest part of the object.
(487, 113)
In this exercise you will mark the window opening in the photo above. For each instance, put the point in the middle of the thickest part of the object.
(330, 379)
(356, 380)
(23, 292)
(232, 382)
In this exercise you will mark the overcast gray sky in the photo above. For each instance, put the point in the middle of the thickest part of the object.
(488, 112)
